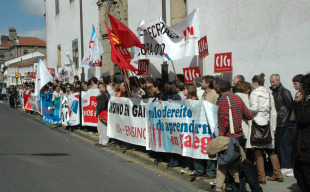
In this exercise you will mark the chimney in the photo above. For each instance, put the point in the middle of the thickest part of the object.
(13, 35)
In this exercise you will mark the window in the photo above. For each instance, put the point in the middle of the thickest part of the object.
(57, 6)
(25, 51)
(59, 55)
(1, 54)
(75, 52)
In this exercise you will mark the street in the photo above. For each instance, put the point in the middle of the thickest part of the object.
(35, 157)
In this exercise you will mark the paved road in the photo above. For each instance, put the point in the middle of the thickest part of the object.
(34, 157)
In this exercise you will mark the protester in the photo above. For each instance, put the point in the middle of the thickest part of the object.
(77, 87)
(142, 83)
(12, 96)
(301, 139)
(50, 88)
(94, 83)
(283, 102)
(149, 92)
(286, 146)
(241, 91)
(85, 86)
(209, 94)
(180, 88)
(158, 89)
(117, 90)
(197, 82)
(239, 110)
(170, 92)
(101, 108)
(123, 89)
(137, 92)
(263, 109)
(68, 89)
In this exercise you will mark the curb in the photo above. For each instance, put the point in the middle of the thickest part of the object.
(203, 184)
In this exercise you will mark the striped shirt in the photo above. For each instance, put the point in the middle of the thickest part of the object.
(239, 110)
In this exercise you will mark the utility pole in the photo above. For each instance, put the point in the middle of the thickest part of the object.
(82, 39)
(164, 66)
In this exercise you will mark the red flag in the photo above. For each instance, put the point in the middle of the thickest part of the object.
(126, 36)
(117, 54)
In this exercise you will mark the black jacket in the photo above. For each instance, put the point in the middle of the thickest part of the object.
(283, 102)
(102, 102)
(301, 139)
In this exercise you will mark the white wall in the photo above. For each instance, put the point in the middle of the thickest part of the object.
(263, 36)
(64, 28)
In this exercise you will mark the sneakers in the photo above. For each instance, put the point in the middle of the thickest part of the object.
(213, 182)
(186, 169)
(285, 171)
(290, 174)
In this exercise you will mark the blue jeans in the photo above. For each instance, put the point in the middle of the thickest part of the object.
(286, 147)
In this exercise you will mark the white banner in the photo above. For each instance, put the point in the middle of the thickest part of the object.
(172, 43)
(126, 120)
(181, 127)
(73, 109)
(89, 103)
(35, 103)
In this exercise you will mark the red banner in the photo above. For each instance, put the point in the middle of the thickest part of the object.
(27, 105)
(143, 67)
(32, 75)
(191, 73)
(203, 47)
(222, 62)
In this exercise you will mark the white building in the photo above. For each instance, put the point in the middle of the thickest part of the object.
(63, 31)
(22, 65)
(263, 36)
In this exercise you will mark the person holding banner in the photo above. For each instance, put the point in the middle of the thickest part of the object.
(101, 112)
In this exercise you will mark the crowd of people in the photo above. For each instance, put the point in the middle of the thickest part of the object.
(252, 104)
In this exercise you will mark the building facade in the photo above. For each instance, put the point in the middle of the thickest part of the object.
(14, 46)
(265, 36)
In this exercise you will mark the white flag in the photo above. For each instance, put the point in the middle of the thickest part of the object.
(95, 48)
(172, 43)
(43, 77)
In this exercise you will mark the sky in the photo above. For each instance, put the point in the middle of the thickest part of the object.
(26, 15)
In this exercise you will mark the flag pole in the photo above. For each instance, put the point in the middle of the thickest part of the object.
(135, 79)
(174, 70)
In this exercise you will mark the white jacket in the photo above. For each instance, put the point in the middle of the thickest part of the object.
(245, 122)
(263, 111)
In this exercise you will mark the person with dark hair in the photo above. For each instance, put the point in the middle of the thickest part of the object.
(301, 142)
(284, 105)
(239, 111)
(101, 112)
(123, 89)
(84, 86)
(170, 92)
(68, 89)
(264, 112)
(77, 87)
(75, 79)
(142, 83)
(158, 89)
(286, 146)
(180, 88)
(50, 88)
(94, 83)
(209, 94)
(180, 77)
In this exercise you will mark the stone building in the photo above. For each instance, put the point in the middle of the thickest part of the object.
(14, 46)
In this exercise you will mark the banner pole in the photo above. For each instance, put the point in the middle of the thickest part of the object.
(197, 58)
(135, 79)
(150, 69)
(174, 70)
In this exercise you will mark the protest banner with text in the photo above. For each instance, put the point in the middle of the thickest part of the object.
(181, 127)
(51, 115)
(89, 103)
(126, 120)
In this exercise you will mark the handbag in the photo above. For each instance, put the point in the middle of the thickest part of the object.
(233, 152)
(103, 116)
(261, 134)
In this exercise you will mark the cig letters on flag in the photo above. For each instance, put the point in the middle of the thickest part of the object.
(42, 78)
(95, 49)
(172, 43)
